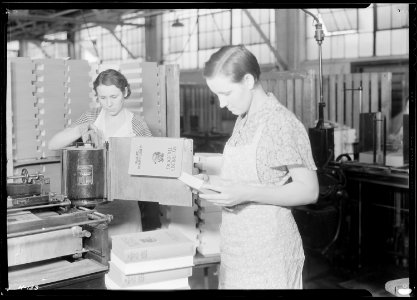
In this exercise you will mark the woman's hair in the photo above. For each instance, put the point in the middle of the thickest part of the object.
(234, 62)
(112, 77)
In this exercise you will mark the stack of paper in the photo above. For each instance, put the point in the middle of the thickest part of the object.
(210, 217)
(151, 260)
(50, 100)
(25, 116)
(79, 89)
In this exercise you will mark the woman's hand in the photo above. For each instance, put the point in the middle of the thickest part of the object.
(228, 195)
(90, 133)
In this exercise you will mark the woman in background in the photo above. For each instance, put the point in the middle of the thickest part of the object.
(267, 168)
(112, 119)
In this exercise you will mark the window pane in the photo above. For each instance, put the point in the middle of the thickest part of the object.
(366, 21)
(400, 42)
(351, 46)
(310, 28)
(400, 15)
(326, 48)
(338, 46)
(365, 44)
(312, 49)
(383, 42)
(383, 17)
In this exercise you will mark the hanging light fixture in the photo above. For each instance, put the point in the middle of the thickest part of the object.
(177, 23)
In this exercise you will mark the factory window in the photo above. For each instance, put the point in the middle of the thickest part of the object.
(53, 46)
(112, 45)
(206, 30)
(350, 33)
(12, 49)
(180, 38)
(392, 27)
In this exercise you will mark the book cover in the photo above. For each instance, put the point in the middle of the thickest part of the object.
(123, 280)
(195, 183)
(152, 265)
(176, 284)
(153, 156)
(149, 245)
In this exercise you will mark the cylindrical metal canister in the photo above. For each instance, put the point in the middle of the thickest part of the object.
(84, 174)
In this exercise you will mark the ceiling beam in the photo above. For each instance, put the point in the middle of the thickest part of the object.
(280, 61)
(19, 16)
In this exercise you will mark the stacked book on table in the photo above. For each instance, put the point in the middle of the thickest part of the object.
(153, 260)
(210, 219)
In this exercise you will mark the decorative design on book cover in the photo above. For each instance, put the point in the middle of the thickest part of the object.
(154, 156)
(149, 245)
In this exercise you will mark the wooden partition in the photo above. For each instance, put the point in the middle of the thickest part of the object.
(345, 96)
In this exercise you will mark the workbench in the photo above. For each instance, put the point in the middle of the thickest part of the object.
(365, 175)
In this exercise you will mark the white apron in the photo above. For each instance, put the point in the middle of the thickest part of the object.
(261, 247)
(126, 214)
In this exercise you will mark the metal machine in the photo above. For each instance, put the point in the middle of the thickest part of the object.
(55, 238)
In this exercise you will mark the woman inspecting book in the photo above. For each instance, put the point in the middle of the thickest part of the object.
(112, 119)
(267, 168)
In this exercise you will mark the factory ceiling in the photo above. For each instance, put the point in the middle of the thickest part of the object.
(34, 24)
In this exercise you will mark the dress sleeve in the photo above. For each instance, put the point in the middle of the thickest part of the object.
(139, 126)
(87, 117)
(290, 144)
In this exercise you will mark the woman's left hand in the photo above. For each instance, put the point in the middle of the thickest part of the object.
(227, 196)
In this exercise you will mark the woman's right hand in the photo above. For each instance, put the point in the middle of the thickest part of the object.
(90, 133)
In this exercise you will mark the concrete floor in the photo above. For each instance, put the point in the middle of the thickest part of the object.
(318, 274)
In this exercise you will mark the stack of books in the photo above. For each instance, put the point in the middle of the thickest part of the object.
(210, 219)
(182, 219)
(153, 260)
(25, 115)
(50, 99)
(78, 89)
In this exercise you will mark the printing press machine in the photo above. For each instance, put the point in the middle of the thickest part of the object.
(57, 238)
(52, 237)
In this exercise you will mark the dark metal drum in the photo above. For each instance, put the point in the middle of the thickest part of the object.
(84, 175)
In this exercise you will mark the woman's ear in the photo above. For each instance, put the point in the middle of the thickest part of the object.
(126, 92)
(249, 81)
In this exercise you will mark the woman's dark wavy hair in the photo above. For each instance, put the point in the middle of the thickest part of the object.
(233, 62)
(112, 77)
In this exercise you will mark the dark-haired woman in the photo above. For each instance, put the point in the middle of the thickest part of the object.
(267, 168)
(112, 119)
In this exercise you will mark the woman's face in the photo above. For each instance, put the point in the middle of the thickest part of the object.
(111, 98)
(237, 97)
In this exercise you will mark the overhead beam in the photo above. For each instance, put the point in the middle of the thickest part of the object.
(122, 44)
(280, 61)
(19, 16)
